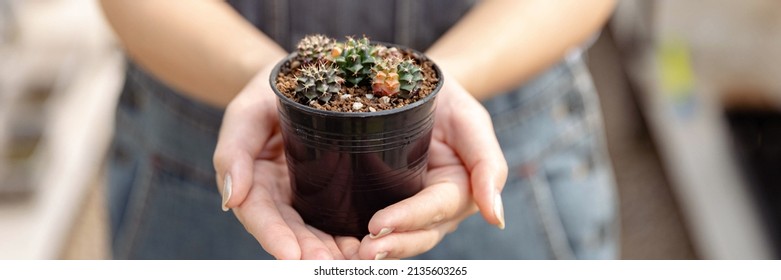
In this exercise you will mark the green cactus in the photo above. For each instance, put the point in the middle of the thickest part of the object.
(314, 48)
(410, 78)
(318, 81)
(354, 58)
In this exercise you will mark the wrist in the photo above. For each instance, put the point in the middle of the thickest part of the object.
(460, 71)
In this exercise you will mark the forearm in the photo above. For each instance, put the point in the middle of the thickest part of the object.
(502, 43)
(201, 48)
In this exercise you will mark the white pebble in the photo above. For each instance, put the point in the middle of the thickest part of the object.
(385, 100)
(345, 96)
(371, 109)
(357, 106)
(370, 96)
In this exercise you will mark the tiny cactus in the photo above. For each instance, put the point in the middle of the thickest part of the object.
(318, 81)
(385, 77)
(354, 58)
(314, 48)
(410, 78)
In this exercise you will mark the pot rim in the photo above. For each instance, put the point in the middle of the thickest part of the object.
(310, 110)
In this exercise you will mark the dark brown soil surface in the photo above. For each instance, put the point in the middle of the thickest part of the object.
(358, 99)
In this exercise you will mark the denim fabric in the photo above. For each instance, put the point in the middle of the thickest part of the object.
(560, 200)
(162, 197)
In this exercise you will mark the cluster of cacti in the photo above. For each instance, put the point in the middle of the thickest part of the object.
(318, 81)
(327, 64)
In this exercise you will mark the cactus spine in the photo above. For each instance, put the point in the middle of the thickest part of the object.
(385, 77)
(318, 81)
(314, 48)
(354, 58)
(410, 78)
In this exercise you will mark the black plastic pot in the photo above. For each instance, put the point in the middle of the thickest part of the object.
(344, 167)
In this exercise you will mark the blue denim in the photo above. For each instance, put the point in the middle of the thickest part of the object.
(560, 200)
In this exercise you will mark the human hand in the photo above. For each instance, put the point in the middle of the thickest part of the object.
(466, 172)
(253, 178)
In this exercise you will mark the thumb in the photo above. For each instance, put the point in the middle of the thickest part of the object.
(234, 176)
(249, 122)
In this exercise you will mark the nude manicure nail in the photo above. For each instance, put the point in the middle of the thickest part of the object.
(383, 232)
(499, 210)
(227, 190)
(380, 255)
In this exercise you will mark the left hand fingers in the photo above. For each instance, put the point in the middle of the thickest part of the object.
(401, 245)
(313, 247)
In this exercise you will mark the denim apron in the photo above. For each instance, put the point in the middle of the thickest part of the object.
(560, 199)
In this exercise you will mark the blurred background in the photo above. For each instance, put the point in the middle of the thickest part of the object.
(690, 93)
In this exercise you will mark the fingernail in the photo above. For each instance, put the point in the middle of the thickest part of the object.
(227, 190)
(383, 232)
(380, 256)
(499, 210)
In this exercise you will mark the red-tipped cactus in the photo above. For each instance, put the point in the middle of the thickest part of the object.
(385, 77)
(314, 48)
(318, 81)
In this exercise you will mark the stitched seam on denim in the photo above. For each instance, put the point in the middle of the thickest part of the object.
(532, 92)
(129, 121)
(552, 225)
(141, 206)
(168, 102)
(160, 151)
(524, 113)
(593, 109)
(135, 211)
(567, 136)
(589, 124)
(179, 169)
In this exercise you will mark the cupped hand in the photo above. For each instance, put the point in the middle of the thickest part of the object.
(253, 178)
(466, 173)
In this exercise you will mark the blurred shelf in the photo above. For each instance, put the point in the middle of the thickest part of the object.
(64, 43)
(684, 113)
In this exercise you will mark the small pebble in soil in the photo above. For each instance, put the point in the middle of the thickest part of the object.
(345, 96)
(371, 109)
(384, 100)
(357, 106)
(370, 96)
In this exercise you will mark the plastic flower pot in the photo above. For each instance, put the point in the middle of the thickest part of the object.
(345, 166)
